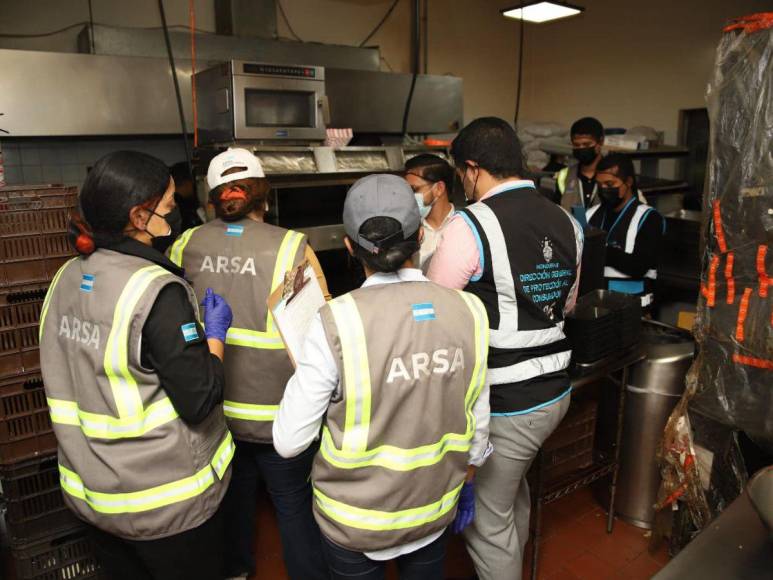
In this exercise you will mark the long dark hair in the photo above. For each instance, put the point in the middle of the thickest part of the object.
(391, 257)
(117, 182)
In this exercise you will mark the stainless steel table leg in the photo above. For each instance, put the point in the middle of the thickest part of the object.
(537, 502)
(618, 441)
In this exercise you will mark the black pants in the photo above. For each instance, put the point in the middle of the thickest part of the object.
(423, 564)
(193, 555)
(289, 487)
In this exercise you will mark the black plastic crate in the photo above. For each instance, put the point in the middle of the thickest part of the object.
(34, 502)
(67, 556)
(603, 323)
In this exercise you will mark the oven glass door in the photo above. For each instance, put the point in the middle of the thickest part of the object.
(277, 108)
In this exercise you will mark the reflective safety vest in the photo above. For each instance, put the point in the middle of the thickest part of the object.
(244, 262)
(128, 464)
(396, 439)
(618, 281)
(569, 186)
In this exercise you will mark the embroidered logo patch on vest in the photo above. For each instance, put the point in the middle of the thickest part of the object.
(189, 332)
(423, 311)
(87, 283)
(234, 231)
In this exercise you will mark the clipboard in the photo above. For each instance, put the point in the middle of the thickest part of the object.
(293, 305)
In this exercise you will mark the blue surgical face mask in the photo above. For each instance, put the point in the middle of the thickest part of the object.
(424, 209)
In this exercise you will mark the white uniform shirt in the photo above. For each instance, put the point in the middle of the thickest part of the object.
(431, 239)
(307, 397)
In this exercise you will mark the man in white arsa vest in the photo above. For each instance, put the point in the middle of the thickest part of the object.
(634, 229)
(431, 178)
(245, 259)
(394, 374)
(576, 183)
(520, 254)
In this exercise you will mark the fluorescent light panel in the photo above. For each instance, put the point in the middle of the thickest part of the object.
(542, 11)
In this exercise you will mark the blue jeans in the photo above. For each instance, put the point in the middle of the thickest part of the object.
(424, 564)
(289, 487)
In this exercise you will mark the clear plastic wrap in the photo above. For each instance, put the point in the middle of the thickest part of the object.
(730, 384)
(732, 377)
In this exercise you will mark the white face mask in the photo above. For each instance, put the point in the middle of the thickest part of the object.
(424, 209)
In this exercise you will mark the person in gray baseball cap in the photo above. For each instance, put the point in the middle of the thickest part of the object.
(393, 376)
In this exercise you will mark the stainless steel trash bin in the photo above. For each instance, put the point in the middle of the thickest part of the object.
(655, 386)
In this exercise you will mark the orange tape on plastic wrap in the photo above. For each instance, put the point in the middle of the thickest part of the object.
(729, 278)
(751, 23)
(751, 361)
(718, 231)
(710, 292)
(762, 252)
(743, 310)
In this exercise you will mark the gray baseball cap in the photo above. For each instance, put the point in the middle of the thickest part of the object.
(380, 195)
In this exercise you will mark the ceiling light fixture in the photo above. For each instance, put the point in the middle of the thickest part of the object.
(540, 12)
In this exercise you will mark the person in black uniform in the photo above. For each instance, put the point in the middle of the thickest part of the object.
(634, 229)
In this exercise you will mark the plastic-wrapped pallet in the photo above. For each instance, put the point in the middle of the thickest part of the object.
(729, 387)
(734, 370)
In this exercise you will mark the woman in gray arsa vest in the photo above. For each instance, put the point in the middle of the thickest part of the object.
(245, 259)
(394, 375)
(134, 385)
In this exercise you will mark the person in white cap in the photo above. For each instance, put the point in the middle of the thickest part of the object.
(244, 259)
(394, 375)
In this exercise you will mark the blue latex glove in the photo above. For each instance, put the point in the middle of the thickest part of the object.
(465, 512)
(217, 315)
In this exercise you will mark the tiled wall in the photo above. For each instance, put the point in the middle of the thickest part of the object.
(36, 161)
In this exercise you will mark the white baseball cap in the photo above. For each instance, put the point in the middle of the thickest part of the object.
(228, 160)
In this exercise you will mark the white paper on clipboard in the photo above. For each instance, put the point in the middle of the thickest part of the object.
(294, 305)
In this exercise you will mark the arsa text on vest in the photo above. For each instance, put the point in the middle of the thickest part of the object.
(422, 364)
(83, 332)
(228, 265)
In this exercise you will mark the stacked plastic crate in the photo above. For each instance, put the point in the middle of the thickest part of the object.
(44, 539)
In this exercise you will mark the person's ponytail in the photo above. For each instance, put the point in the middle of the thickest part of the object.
(388, 258)
(80, 236)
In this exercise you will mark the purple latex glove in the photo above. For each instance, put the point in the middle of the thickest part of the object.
(465, 512)
(217, 315)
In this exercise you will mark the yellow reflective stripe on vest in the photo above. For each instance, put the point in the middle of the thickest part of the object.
(561, 179)
(155, 497)
(49, 295)
(254, 338)
(223, 455)
(406, 459)
(481, 347)
(98, 426)
(285, 259)
(124, 386)
(394, 458)
(249, 412)
(176, 253)
(365, 519)
(356, 373)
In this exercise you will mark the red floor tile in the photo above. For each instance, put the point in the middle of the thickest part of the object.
(574, 546)
(642, 568)
(588, 566)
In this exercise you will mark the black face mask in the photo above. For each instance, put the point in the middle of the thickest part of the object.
(585, 155)
(175, 221)
(609, 196)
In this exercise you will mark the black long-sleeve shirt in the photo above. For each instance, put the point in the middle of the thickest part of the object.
(192, 377)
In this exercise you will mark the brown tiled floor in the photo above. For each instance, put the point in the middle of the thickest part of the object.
(574, 546)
